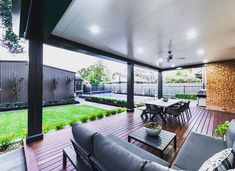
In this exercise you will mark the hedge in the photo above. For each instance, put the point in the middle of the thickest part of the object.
(114, 102)
(186, 96)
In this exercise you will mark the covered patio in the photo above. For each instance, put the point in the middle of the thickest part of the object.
(145, 34)
(47, 153)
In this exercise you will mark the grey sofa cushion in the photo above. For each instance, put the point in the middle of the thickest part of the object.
(230, 136)
(138, 151)
(196, 150)
(152, 166)
(98, 163)
(114, 157)
(83, 137)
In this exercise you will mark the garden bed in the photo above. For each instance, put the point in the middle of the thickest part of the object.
(107, 101)
(24, 105)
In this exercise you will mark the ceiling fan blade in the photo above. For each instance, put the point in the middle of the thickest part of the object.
(180, 58)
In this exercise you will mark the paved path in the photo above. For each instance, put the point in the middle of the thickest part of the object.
(15, 161)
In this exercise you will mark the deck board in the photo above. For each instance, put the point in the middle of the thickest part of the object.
(46, 155)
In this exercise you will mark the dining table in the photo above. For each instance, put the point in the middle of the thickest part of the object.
(161, 104)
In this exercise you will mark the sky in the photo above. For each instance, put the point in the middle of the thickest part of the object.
(65, 59)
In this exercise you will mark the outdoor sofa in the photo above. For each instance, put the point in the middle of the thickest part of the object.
(110, 153)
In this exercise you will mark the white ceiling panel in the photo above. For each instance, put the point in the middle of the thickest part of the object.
(129, 25)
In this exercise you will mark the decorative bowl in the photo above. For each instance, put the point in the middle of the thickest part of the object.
(153, 132)
(165, 99)
(152, 128)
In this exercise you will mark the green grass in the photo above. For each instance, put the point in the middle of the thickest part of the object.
(16, 121)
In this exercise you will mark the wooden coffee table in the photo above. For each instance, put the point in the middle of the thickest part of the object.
(159, 142)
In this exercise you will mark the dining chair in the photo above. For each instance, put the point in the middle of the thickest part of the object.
(176, 111)
(154, 110)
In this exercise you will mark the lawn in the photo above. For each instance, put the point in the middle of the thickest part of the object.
(16, 121)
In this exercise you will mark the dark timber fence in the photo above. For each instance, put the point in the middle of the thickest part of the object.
(19, 70)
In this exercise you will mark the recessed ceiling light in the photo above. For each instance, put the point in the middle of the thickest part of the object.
(94, 29)
(200, 52)
(160, 60)
(172, 65)
(191, 34)
(140, 50)
(205, 61)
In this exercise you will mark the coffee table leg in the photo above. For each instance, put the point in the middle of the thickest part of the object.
(129, 139)
(175, 143)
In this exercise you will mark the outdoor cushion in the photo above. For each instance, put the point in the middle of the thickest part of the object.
(152, 166)
(98, 163)
(220, 161)
(114, 157)
(83, 136)
(137, 150)
(230, 135)
(196, 150)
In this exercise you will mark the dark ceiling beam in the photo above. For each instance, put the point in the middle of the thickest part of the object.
(51, 16)
(184, 67)
(81, 48)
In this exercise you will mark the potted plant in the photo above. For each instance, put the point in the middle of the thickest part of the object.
(153, 128)
(221, 129)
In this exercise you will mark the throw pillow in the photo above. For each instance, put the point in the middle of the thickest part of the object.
(222, 160)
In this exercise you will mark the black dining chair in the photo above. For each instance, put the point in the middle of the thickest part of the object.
(186, 109)
(153, 110)
(176, 111)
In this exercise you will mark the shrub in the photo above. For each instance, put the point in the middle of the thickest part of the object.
(119, 110)
(84, 119)
(186, 96)
(113, 112)
(6, 140)
(59, 125)
(100, 115)
(108, 113)
(123, 109)
(93, 117)
(108, 100)
(46, 128)
(72, 122)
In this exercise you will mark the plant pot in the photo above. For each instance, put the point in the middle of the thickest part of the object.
(152, 132)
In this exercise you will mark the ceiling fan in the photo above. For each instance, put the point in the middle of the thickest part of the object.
(170, 56)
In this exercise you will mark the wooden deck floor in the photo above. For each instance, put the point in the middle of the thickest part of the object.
(47, 154)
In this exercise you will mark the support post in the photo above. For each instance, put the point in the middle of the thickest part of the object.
(35, 81)
(130, 87)
(160, 84)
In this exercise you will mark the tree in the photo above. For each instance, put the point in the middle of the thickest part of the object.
(9, 39)
(95, 73)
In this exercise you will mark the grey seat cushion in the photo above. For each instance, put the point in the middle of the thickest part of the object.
(196, 150)
(152, 166)
(115, 157)
(230, 136)
(83, 137)
(138, 151)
